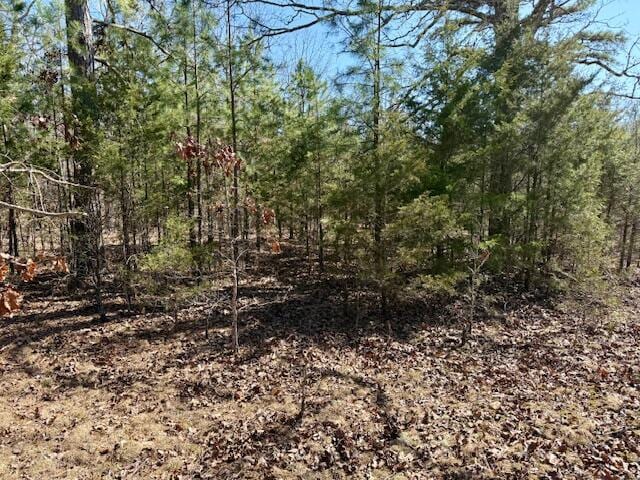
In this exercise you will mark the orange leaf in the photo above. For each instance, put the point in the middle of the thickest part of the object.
(275, 247)
(268, 216)
(29, 273)
(10, 301)
(4, 270)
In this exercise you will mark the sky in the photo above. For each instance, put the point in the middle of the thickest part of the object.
(623, 13)
(320, 47)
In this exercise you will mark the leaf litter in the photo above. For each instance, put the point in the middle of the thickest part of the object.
(539, 393)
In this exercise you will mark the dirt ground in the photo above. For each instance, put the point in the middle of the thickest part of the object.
(539, 391)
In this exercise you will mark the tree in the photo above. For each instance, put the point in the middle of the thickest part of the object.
(451, 126)
(80, 52)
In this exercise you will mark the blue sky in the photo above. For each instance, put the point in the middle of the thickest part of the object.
(320, 45)
(623, 13)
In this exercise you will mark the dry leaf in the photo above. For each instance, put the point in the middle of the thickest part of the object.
(10, 301)
(29, 273)
(275, 247)
(4, 270)
(268, 216)
(60, 265)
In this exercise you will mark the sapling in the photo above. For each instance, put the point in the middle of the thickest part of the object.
(479, 254)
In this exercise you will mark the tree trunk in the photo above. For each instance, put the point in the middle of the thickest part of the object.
(379, 194)
(258, 228)
(198, 123)
(625, 231)
(11, 219)
(190, 175)
(11, 224)
(235, 219)
(85, 233)
(505, 27)
(80, 50)
(632, 242)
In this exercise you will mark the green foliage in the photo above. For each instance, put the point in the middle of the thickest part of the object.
(425, 232)
(408, 167)
(171, 256)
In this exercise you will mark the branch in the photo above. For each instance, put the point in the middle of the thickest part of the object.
(135, 32)
(42, 213)
(617, 73)
(307, 8)
(106, 63)
(281, 31)
(19, 167)
(624, 73)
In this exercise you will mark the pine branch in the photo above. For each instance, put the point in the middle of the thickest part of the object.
(129, 29)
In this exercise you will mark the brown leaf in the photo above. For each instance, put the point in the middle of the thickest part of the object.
(60, 265)
(29, 273)
(4, 270)
(10, 301)
(268, 216)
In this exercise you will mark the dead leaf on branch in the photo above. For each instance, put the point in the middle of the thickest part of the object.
(29, 272)
(4, 270)
(275, 247)
(214, 154)
(190, 148)
(250, 205)
(268, 216)
(218, 208)
(226, 159)
(60, 265)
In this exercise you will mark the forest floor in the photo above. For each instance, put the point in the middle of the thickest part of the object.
(538, 392)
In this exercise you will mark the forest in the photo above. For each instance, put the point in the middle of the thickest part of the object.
(302, 239)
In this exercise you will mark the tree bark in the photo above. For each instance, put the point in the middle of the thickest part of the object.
(632, 242)
(80, 51)
(623, 245)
